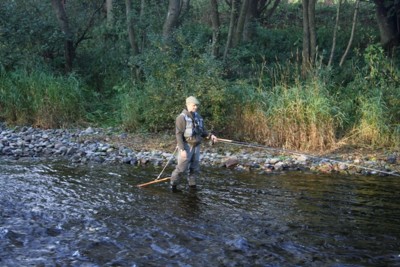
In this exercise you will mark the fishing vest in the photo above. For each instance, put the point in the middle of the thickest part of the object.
(194, 128)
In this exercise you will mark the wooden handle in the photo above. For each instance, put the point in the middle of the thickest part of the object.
(224, 140)
(154, 181)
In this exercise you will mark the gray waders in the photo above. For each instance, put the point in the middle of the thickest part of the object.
(189, 165)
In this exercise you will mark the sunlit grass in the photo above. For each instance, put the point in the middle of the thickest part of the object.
(298, 117)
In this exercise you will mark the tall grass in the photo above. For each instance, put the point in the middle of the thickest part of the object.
(297, 117)
(375, 97)
(40, 99)
(324, 112)
(372, 127)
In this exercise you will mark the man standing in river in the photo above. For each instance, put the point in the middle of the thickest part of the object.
(189, 133)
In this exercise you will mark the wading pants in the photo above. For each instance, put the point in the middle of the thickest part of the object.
(189, 165)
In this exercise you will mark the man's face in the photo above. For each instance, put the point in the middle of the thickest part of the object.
(191, 107)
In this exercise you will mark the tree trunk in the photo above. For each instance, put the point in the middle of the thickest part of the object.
(62, 18)
(272, 9)
(231, 28)
(241, 23)
(388, 18)
(335, 30)
(309, 35)
(215, 27)
(251, 18)
(171, 22)
(110, 13)
(306, 37)
(142, 33)
(185, 7)
(313, 34)
(255, 10)
(352, 33)
(131, 29)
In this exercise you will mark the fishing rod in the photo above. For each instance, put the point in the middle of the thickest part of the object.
(303, 154)
(172, 156)
(158, 180)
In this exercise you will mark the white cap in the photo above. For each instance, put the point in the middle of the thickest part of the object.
(192, 99)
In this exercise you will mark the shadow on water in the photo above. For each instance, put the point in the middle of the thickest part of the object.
(54, 214)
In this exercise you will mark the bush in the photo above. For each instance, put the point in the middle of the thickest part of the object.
(297, 117)
(168, 79)
(376, 102)
(40, 99)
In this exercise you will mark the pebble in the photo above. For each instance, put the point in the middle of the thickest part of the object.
(68, 144)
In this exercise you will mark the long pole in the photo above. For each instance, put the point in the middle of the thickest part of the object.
(172, 156)
(158, 180)
(303, 154)
(154, 181)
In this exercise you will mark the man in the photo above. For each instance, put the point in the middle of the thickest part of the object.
(189, 133)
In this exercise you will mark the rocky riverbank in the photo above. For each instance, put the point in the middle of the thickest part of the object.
(110, 146)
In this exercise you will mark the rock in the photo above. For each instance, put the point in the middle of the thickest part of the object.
(391, 159)
(301, 158)
(343, 166)
(279, 166)
(88, 130)
(231, 163)
(76, 147)
(144, 161)
(274, 160)
(126, 160)
(71, 151)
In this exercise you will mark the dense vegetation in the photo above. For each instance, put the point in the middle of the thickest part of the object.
(259, 92)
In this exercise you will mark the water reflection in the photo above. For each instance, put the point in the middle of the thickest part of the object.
(57, 214)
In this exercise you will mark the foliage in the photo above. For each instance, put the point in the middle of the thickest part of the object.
(22, 33)
(169, 79)
(259, 93)
(296, 117)
(375, 94)
(40, 99)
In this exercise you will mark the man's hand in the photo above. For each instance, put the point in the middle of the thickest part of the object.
(213, 138)
(183, 154)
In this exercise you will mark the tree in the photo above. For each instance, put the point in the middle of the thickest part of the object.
(215, 23)
(171, 21)
(241, 22)
(69, 51)
(250, 13)
(71, 40)
(352, 33)
(256, 9)
(335, 30)
(244, 14)
(388, 18)
(309, 35)
(110, 13)
(232, 23)
(130, 28)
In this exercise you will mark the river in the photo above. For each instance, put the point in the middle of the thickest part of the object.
(57, 214)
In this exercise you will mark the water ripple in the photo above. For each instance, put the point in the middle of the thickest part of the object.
(53, 214)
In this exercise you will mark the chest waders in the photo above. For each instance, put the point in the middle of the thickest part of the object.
(192, 139)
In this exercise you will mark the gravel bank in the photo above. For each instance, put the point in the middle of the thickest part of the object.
(109, 146)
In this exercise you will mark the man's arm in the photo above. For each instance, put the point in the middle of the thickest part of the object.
(180, 126)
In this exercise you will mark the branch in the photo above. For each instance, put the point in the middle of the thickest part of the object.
(89, 25)
(335, 30)
(352, 33)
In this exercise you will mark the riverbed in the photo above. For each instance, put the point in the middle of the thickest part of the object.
(57, 214)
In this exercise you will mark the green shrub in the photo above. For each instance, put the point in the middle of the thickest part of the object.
(169, 77)
(40, 99)
(375, 100)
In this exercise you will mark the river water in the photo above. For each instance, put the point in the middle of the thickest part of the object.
(55, 214)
